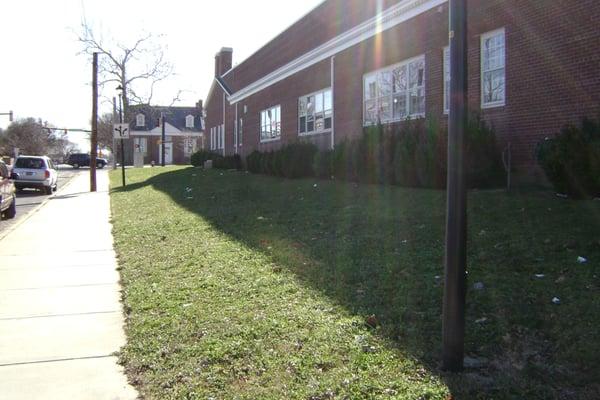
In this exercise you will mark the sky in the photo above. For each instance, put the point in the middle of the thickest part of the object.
(43, 75)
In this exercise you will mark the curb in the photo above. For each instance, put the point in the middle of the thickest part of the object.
(12, 228)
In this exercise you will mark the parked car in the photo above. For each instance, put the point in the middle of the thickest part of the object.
(8, 201)
(77, 160)
(35, 172)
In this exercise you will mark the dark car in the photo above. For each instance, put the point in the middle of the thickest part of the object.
(77, 160)
(8, 203)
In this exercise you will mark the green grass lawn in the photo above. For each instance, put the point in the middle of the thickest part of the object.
(239, 286)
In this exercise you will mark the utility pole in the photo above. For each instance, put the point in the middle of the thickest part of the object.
(94, 136)
(114, 145)
(122, 145)
(162, 139)
(456, 219)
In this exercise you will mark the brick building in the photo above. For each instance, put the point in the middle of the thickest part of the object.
(533, 66)
(183, 133)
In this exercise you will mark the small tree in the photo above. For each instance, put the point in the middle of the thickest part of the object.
(30, 136)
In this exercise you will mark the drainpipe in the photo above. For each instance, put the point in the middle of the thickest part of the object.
(224, 135)
(332, 102)
(236, 132)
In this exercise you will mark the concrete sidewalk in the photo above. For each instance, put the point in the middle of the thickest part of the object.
(61, 319)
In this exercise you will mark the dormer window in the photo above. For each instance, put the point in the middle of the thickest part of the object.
(189, 121)
(140, 120)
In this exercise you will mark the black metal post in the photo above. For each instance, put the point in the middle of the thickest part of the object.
(94, 135)
(162, 139)
(456, 222)
(122, 145)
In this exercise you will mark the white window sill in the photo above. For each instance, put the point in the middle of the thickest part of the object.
(393, 121)
(493, 105)
(314, 133)
(270, 140)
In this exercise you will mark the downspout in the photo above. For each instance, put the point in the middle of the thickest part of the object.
(236, 130)
(224, 135)
(332, 102)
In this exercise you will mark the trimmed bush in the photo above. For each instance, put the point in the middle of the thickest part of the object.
(228, 162)
(571, 160)
(198, 158)
(483, 160)
(253, 162)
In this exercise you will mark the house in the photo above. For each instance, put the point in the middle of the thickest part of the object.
(183, 132)
(532, 65)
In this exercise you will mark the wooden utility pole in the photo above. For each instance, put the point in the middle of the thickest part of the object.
(456, 222)
(94, 136)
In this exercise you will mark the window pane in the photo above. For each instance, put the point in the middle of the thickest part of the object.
(319, 103)
(371, 112)
(400, 106)
(328, 100)
(302, 106)
(310, 106)
(302, 127)
(328, 123)
(416, 73)
(319, 122)
(400, 79)
(384, 83)
(385, 109)
(370, 87)
(417, 101)
(493, 86)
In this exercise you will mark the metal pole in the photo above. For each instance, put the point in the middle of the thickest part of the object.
(114, 142)
(162, 139)
(94, 136)
(122, 145)
(456, 222)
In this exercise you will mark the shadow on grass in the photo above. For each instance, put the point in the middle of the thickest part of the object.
(378, 251)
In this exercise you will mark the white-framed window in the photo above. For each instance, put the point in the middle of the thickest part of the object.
(240, 132)
(270, 124)
(315, 111)
(493, 69)
(221, 137)
(395, 93)
(140, 120)
(446, 79)
(189, 146)
(189, 121)
(213, 138)
(140, 145)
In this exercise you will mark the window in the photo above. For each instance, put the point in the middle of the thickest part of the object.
(222, 137)
(446, 80)
(140, 120)
(493, 63)
(270, 124)
(213, 138)
(395, 93)
(189, 146)
(315, 112)
(240, 132)
(189, 121)
(140, 145)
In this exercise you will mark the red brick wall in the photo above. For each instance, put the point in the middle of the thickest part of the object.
(552, 70)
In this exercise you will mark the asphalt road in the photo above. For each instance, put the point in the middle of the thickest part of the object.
(28, 199)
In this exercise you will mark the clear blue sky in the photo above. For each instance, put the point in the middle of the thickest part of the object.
(42, 75)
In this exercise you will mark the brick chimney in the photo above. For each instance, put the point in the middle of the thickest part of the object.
(223, 61)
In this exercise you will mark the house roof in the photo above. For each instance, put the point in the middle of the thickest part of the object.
(175, 116)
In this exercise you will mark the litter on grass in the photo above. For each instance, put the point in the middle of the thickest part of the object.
(556, 300)
(581, 260)
(540, 276)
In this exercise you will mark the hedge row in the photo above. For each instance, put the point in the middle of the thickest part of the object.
(571, 160)
(219, 161)
(413, 154)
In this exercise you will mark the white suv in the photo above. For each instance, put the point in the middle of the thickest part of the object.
(35, 172)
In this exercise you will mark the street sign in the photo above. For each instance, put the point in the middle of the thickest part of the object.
(121, 131)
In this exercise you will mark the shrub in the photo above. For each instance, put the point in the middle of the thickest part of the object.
(253, 162)
(227, 162)
(483, 162)
(571, 160)
(198, 158)
(296, 160)
(323, 164)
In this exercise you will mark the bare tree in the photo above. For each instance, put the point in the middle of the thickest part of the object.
(105, 132)
(137, 67)
(31, 136)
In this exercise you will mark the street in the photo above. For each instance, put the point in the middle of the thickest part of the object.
(28, 199)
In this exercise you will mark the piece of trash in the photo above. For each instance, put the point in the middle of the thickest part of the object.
(581, 260)
(372, 321)
(478, 286)
(481, 320)
(260, 218)
(190, 198)
(482, 233)
(562, 195)
(187, 305)
(437, 277)
(188, 189)
(315, 185)
(556, 300)
(404, 241)
(540, 276)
